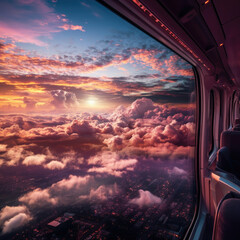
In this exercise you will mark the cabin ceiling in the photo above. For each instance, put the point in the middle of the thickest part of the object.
(229, 16)
(212, 25)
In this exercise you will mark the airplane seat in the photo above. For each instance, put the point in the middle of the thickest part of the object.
(228, 156)
(227, 218)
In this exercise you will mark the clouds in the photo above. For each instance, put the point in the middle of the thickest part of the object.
(13, 217)
(83, 128)
(72, 27)
(102, 193)
(34, 159)
(8, 212)
(69, 190)
(39, 198)
(15, 222)
(111, 163)
(95, 121)
(63, 99)
(30, 21)
(177, 171)
(69, 78)
(145, 199)
(45, 67)
(105, 149)
(17, 24)
(139, 107)
(103, 143)
(3, 147)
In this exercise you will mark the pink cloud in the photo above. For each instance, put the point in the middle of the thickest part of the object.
(141, 129)
(29, 25)
(111, 163)
(15, 222)
(145, 199)
(102, 193)
(169, 67)
(177, 171)
(72, 27)
(73, 188)
(63, 99)
(114, 143)
(8, 212)
(54, 165)
(82, 127)
(73, 182)
(38, 197)
(139, 107)
(34, 159)
(85, 4)
(3, 147)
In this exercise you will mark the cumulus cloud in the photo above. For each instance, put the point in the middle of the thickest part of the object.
(102, 193)
(14, 154)
(71, 183)
(142, 129)
(59, 193)
(177, 171)
(3, 147)
(145, 199)
(35, 159)
(10, 211)
(55, 165)
(72, 27)
(69, 191)
(81, 127)
(139, 107)
(30, 103)
(38, 197)
(13, 217)
(16, 222)
(114, 143)
(63, 99)
(111, 163)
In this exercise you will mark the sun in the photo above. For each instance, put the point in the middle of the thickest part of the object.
(91, 101)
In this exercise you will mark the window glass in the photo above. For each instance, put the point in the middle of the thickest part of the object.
(97, 129)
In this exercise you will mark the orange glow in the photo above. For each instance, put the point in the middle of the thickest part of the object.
(221, 44)
(206, 2)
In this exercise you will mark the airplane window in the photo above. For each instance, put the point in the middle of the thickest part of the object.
(211, 122)
(97, 129)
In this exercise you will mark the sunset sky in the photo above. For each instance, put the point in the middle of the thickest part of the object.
(73, 56)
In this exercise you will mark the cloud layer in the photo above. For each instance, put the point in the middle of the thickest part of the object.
(111, 143)
(106, 147)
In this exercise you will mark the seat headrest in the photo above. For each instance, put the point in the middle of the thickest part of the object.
(227, 221)
(230, 139)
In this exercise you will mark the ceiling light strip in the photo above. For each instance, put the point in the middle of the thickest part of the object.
(174, 36)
